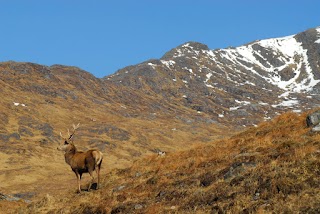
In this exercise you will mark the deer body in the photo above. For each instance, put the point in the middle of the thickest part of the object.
(82, 162)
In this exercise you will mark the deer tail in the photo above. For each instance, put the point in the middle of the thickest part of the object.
(98, 156)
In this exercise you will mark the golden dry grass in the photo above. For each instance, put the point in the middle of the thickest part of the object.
(273, 168)
(32, 165)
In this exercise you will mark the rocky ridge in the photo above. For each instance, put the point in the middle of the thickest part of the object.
(239, 86)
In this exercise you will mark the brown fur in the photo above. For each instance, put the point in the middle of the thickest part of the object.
(82, 162)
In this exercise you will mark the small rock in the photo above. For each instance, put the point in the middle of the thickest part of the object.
(256, 196)
(316, 128)
(138, 174)
(138, 207)
(119, 188)
(161, 194)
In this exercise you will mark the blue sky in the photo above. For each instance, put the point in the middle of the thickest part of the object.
(104, 36)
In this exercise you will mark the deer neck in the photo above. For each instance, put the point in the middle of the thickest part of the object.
(70, 153)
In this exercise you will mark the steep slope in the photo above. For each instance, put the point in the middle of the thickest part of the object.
(238, 86)
(272, 168)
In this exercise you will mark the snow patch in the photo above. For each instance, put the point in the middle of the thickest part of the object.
(286, 45)
(285, 49)
(234, 108)
(209, 75)
(263, 104)
(297, 111)
(152, 65)
(287, 103)
(211, 54)
(209, 86)
(243, 102)
(318, 41)
(169, 63)
(187, 45)
(285, 94)
(247, 83)
(19, 104)
(267, 118)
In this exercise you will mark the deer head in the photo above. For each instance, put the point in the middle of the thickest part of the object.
(68, 140)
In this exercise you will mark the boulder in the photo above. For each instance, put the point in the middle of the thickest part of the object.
(313, 119)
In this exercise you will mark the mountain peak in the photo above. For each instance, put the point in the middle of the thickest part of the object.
(185, 49)
(194, 45)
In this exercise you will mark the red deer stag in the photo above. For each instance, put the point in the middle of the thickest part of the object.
(81, 162)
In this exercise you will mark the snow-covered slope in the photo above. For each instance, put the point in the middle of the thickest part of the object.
(288, 53)
(265, 77)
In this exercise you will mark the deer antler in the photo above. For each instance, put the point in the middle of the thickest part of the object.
(75, 127)
(61, 135)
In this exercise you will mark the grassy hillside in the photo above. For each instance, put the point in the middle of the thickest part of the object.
(37, 102)
(272, 168)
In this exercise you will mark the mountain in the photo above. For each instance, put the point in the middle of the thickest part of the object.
(191, 96)
(238, 86)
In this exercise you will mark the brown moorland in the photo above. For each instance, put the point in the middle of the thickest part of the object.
(37, 102)
(271, 168)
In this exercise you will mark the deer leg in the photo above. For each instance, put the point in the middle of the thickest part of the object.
(92, 179)
(79, 180)
(98, 173)
(80, 175)
(98, 167)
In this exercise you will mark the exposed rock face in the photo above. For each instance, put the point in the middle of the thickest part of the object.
(239, 86)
